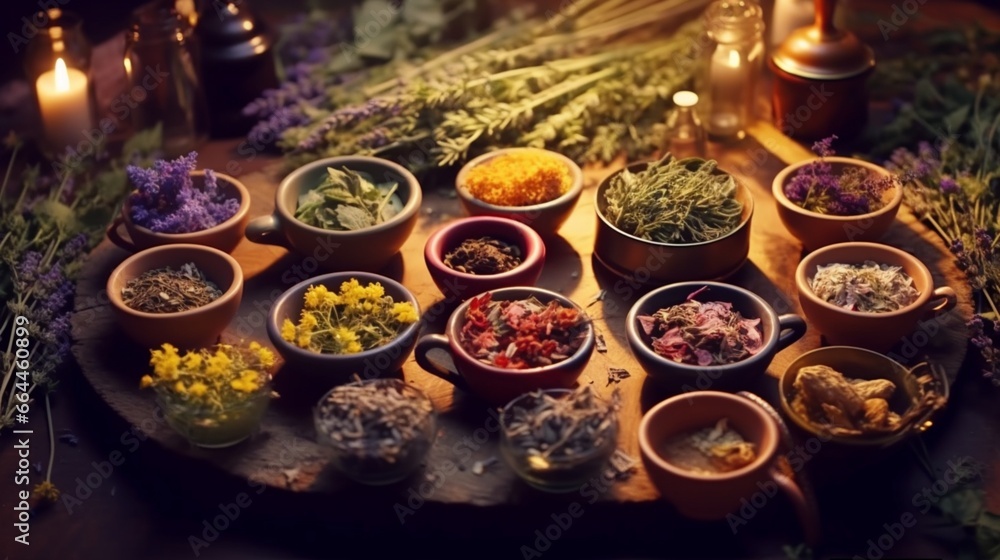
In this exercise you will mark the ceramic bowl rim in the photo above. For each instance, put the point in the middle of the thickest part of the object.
(274, 322)
(240, 214)
(235, 287)
(574, 191)
(457, 318)
(740, 188)
(637, 343)
(410, 206)
(812, 259)
(648, 449)
(860, 441)
(778, 190)
(532, 241)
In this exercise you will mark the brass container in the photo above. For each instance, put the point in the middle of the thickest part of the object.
(819, 86)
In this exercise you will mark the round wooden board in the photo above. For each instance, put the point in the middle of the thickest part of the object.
(284, 454)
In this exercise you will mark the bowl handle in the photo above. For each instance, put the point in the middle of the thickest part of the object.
(791, 327)
(116, 237)
(437, 342)
(807, 513)
(943, 299)
(266, 230)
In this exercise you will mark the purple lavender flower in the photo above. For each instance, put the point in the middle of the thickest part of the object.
(984, 241)
(987, 350)
(74, 248)
(949, 185)
(166, 201)
(27, 269)
(266, 132)
(824, 147)
(349, 116)
(376, 138)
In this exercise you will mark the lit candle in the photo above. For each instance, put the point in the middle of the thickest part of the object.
(65, 106)
(728, 82)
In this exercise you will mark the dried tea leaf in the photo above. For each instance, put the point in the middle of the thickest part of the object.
(353, 218)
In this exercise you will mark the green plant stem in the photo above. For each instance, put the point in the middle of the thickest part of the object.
(10, 169)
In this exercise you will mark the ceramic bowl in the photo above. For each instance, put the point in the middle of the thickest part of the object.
(779, 332)
(333, 369)
(224, 237)
(368, 249)
(858, 363)
(461, 285)
(874, 331)
(194, 328)
(714, 496)
(562, 474)
(498, 385)
(545, 218)
(360, 463)
(651, 263)
(816, 230)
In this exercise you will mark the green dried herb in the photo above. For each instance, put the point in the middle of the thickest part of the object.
(674, 201)
(868, 287)
(166, 290)
(347, 200)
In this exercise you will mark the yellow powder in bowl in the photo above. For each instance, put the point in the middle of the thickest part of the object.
(519, 179)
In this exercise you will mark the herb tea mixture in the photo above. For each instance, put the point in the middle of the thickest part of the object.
(674, 201)
(550, 428)
(867, 288)
(714, 450)
(165, 290)
(482, 256)
(521, 334)
(520, 178)
(377, 423)
(347, 200)
(856, 190)
(704, 334)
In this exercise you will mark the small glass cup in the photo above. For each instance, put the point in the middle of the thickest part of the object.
(359, 458)
(554, 474)
(211, 429)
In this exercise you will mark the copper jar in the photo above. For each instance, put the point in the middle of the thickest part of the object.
(819, 80)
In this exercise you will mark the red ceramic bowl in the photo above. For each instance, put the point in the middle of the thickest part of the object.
(494, 384)
(460, 285)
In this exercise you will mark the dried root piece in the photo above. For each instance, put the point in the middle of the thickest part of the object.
(874, 388)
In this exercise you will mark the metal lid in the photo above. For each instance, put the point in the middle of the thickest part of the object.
(823, 52)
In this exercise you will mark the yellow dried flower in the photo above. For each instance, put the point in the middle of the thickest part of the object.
(404, 312)
(520, 178)
(192, 360)
(374, 290)
(315, 296)
(45, 490)
(348, 340)
(288, 330)
(165, 362)
(145, 381)
(198, 389)
(180, 388)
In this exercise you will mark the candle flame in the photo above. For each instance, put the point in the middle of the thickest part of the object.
(62, 76)
(734, 59)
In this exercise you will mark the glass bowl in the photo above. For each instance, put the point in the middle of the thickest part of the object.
(370, 454)
(212, 429)
(556, 472)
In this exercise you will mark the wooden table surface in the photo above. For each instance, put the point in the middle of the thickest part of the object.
(182, 486)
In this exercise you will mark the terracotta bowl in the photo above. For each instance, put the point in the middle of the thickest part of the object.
(461, 285)
(858, 363)
(779, 332)
(224, 237)
(194, 328)
(651, 263)
(337, 368)
(819, 230)
(545, 218)
(368, 249)
(498, 385)
(714, 496)
(874, 331)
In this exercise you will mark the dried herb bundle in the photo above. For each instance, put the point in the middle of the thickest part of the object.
(485, 255)
(854, 407)
(674, 201)
(520, 334)
(165, 290)
(376, 424)
(703, 334)
(347, 200)
(868, 287)
(551, 428)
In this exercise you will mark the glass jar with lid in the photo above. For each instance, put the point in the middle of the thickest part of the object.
(734, 54)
